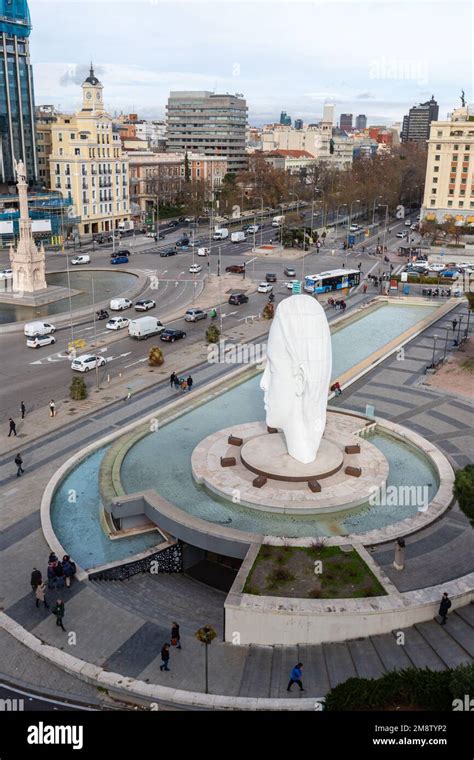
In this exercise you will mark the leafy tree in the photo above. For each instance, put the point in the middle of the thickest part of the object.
(213, 334)
(78, 389)
(155, 357)
(463, 490)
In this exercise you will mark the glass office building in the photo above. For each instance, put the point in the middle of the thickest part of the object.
(17, 129)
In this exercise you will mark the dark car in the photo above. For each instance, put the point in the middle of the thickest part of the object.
(270, 277)
(183, 241)
(236, 268)
(173, 223)
(238, 298)
(290, 272)
(168, 252)
(119, 259)
(172, 335)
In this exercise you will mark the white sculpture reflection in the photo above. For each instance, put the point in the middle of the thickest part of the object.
(297, 374)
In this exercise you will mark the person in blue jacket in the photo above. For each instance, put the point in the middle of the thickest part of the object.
(295, 677)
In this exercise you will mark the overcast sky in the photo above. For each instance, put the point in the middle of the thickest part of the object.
(370, 57)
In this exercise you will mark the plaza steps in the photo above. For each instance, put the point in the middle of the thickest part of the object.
(426, 645)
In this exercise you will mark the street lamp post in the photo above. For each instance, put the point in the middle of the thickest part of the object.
(205, 635)
(337, 215)
(435, 338)
(350, 221)
(385, 205)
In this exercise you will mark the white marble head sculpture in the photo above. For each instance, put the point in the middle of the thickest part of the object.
(297, 374)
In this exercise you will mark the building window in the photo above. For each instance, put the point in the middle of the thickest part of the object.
(471, 204)
(456, 147)
(60, 136)
(73, 136)
(461, 204)
(433, 191)
(77, 151)
(437, 157)
(433, 203)
(84, 211)
(435, 179)
(450, 203)
(440, 133)
(438, 147)
(436, 169)
(467, 147)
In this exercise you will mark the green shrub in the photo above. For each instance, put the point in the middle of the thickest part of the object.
(461, 681)
(78, 389)
(155, 357)
(279, 575)
(463, 490)
(213, 334)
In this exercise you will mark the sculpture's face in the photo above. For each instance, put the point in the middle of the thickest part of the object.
(278, 381)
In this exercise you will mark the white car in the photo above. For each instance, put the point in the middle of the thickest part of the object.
(119, 304)
(37, 341)
(144, 304)
(401, 234)
(408, 223)
(116, 323)
(6, 274)
(253, 228)
(354, 228)
(195, 268)
(203, 251)
(84, 259)
(290, 284)
(86, 362)
(264, 287)
(436, 267)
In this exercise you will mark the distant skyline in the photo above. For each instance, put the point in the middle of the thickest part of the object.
(366, 57)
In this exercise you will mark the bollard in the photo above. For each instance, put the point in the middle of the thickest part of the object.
(399, 560)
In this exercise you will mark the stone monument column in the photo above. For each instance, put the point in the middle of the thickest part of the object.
(27, 262)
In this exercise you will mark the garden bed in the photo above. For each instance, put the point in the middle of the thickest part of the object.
(324, 572)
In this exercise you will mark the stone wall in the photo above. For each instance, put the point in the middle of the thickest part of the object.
(169, 560)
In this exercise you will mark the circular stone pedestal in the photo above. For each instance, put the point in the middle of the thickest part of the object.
(267, 455)
(249, 466)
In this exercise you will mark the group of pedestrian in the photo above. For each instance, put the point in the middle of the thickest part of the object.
(12, 432)
(182, 384)
(166, 648)
(59, 574)
(337, 305)
(336, 389)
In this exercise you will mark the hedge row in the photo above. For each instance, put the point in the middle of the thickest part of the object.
(428, 689)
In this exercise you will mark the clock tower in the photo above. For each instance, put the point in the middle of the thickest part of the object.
(92, 93)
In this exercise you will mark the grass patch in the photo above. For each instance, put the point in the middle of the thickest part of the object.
(467, 365)
(315, 572)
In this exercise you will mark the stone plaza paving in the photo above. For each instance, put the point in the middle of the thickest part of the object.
(122, 625)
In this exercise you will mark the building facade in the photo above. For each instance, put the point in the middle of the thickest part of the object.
(209, 124)
(87, 163)
(361, 121)
(45, 117)
(449, 183)
(285, 119)
(17, 127)
(416, 125)
(345, 121)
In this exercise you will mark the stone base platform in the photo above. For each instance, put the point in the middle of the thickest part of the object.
(51, 294)
(265, 477)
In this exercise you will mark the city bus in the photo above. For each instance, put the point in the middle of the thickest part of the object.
(335, 279)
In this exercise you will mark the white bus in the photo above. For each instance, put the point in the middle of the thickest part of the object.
(335, 279)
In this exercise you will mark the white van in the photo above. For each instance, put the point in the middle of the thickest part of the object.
(278, 221)
(144, 327)
(237, 237)
(220, 234)
(118, 304)
(39, 328)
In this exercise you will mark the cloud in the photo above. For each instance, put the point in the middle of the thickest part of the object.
(365, 96)
(77, 73)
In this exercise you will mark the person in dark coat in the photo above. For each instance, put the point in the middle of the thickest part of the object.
(19, 465)
(295, 677)
(51, 574)
(22, 410)
(189, 382)
(175, 638)
(58, 611)
(12, 427)
(59, 575)
(444, 607)
(172, 379)
(69, 568)
(165, 657)
(36, 578)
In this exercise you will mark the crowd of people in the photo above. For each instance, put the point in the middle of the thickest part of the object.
(182, 384)
(59, 574)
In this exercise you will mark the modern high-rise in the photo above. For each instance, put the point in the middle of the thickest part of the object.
(361, 121)
(345, 122)
(285, 119)
(416, 125)
(207, 123)
(449, 183)
(298, 123)
(17, 124)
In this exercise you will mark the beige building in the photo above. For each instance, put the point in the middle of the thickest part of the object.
(45, 116)
(88, 165)
(449, 184)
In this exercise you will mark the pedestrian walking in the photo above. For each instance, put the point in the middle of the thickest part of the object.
(454, 324)
(19, 465)
(52, 408)
(364, 288)
(22, 410)
(189, 382)
(36, 578)
(175, 637)
(58, 611)
(165, 657)
(129, 392)
(12, 427)
(359, 266)
(69, 569)
(172, 379)
(177, 383)
(444, 607)
(184, 384)
(295, 677)
(40, 595)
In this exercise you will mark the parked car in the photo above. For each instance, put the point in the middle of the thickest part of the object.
(86, 362)
(290, 272)
(264, 287)
(84, 259)
(171, 335)
(270, 277)
(236, 268)
(37, 341)
(144, 304)
(117, 323)
(236, 299)
(6, 274)
(39, 328)
(168, 252)
(119, 304)
(195, 268)
(194, 315)
(119, 259)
